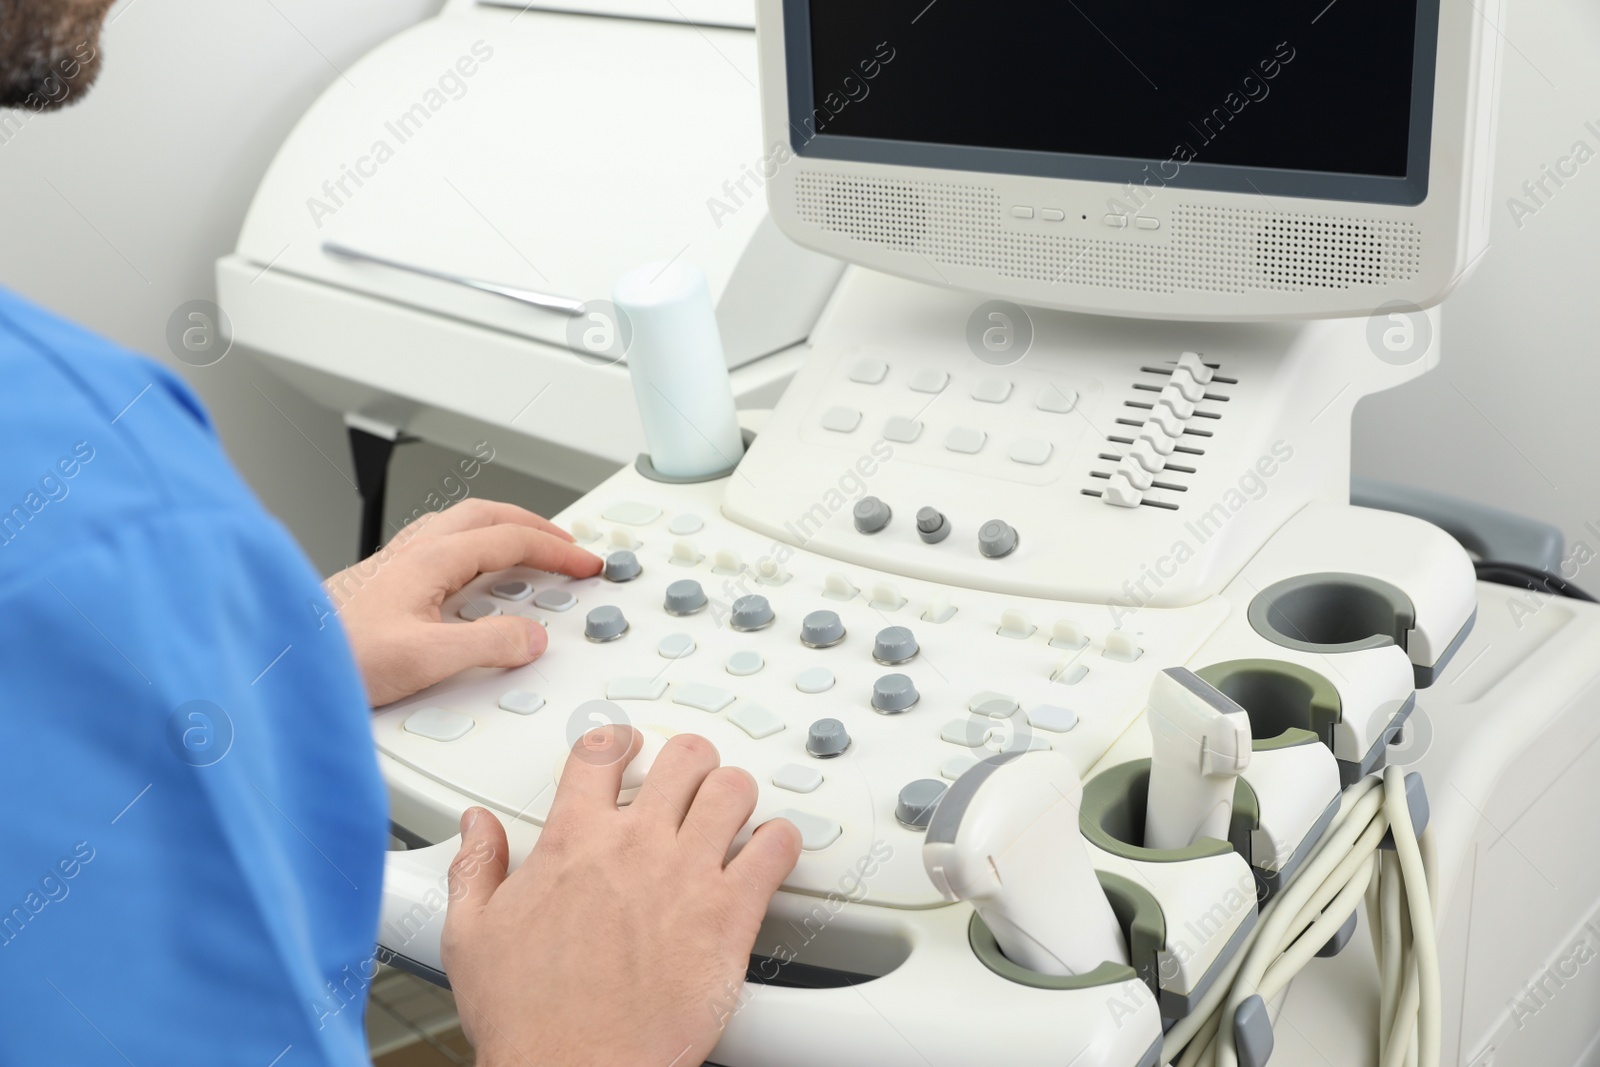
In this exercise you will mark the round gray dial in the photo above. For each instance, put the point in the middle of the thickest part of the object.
(750, 612)
(894, 644)
(605, 623)
(827, 738)
(622, 566)
(684, 597)
(917, 801)
(871, 514)
(821, 629)
(894, 693)
(996, 539)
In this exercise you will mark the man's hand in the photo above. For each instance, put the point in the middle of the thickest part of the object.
(389, 603)
(623, 940)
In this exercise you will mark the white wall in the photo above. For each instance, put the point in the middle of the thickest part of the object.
(155, 167)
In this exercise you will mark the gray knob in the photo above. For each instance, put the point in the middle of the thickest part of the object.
(622, 566)
(605, 623)
(894, 644)
(932, 526)
(827, 738)
(871, 514)
(894, 693)
(821, 629)
(684, 597)
(996, 539)
(751, 612)
(917, 800)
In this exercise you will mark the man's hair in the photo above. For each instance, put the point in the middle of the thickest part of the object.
(49, 51)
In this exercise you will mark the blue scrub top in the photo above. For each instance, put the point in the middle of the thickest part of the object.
(192, 824)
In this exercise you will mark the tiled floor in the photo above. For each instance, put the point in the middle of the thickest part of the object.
(412, 1023)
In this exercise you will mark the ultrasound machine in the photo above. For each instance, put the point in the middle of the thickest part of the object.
(1116, 736)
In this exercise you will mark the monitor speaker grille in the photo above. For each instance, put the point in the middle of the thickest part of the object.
(1215, 249)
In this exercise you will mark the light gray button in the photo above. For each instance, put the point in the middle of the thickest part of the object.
(932, 526)
(676, 646)
(684, 597)
(1030, 451)
(821, 629)
(968, 732)
(870, 514)
(1050, 717)
(917, 800)
(605, 623)
(1021, 211)
(816, 833)
(841, 420)
(745, 662)
(1052, 214)
(1147, 222)
(929, 380)
(473, 610)
(992, 390)
(902, 430)
(516, 589)
(521, 701)
(755, 720)
(440, 724)
(995, 705)
(1056, 399)
(631, 514)
(750, 612)
(797, 778)
(685, 524)
(827, 738)
(956, 766)
(894, 693)
(814, 680)
(554, 599)
(894, 644)
(965, 439)
(996, 539)
(701, 696)
(635, 689)
(869, 371)
(622, 566)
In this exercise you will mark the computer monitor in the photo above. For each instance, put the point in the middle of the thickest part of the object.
(1259, 159)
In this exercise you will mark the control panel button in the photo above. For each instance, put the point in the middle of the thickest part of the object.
(584, 531)
(1145, 456)
(814, 680)
(1119, 222)
(1068, 635)
(1198, 368)
(1165, 420)
(622, 538)
(1032, 452)
(870, 514)
(1121, 493)
(1021, 211)
(956, 766)
(1189, 387)
(939, 609)
(622, 567)
(755, 720)
(605, 623)
(771, 572)
(902, 430)
(997, 539)
(1122, 646)
(886, 597)
(635, 689)
(821, 629)
(745, 662)
(521, 701)
(685, 554)
(1173, 400)
(827, 738)
(701, 697)
(684, 597)
(914, 807)
(797, 778)
(727, 561)
(685, 524)
(1015, 625)
(1052, 214)
(1147, 222)
(993, 705)
(894, 693)
(932, 526)
(894, 645)
(869, 371)
(438, 724)
(837, 587)
(554, 599)
(1069, 672)
(1136, 475)
(1057, 720)
(517, 589)
(841, 420)
(816, 832)
(632, 513)
(929, 380)
(473, 610)
(1159, 441)
(675, 646)
(966, 440)
(968, 732)
(751, 612)
(1056, 399)
(991, 390)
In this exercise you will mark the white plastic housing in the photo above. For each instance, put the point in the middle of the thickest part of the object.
(1199, 743)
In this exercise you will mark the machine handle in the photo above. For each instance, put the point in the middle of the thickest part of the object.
(530, 297)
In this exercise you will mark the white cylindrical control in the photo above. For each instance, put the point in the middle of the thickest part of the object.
(1199, 743)
(680, 378)
(1005, 837)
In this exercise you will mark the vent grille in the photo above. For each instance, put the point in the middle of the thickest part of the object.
(1211, 249)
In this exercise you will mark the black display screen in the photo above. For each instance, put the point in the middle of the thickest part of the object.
(1284, 85)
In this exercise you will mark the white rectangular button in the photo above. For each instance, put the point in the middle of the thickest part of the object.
(1053, 718)
(1056, 399)
(1033, 453)
(797, 778)
(991, 390)
(755, 720)
(635, 689)
(902, 430)
(1052, 214)
(969, 733)
(1119, 222)
(438, 724)
(869, 371)
(965, 439)
(816, 833)
(1145, 222)
(929, 380)
(701, 696)
(626, 511)
(521, 701)
(841, 420)
(1021, 211)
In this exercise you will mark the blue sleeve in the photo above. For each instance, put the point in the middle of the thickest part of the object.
(195, 825)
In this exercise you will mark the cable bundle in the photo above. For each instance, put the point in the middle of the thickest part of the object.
(1348, 867)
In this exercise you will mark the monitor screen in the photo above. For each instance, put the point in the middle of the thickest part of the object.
(1304, 97)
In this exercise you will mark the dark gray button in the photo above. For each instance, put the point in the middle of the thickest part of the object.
(622, 566)
(605, 623)
(827, 738)
(894, 693)
(684, 597)
(871, 514)
(894, 644)
(932, 526)
(917, 800)
(751, 612)
(821, 629)
(996, 539)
